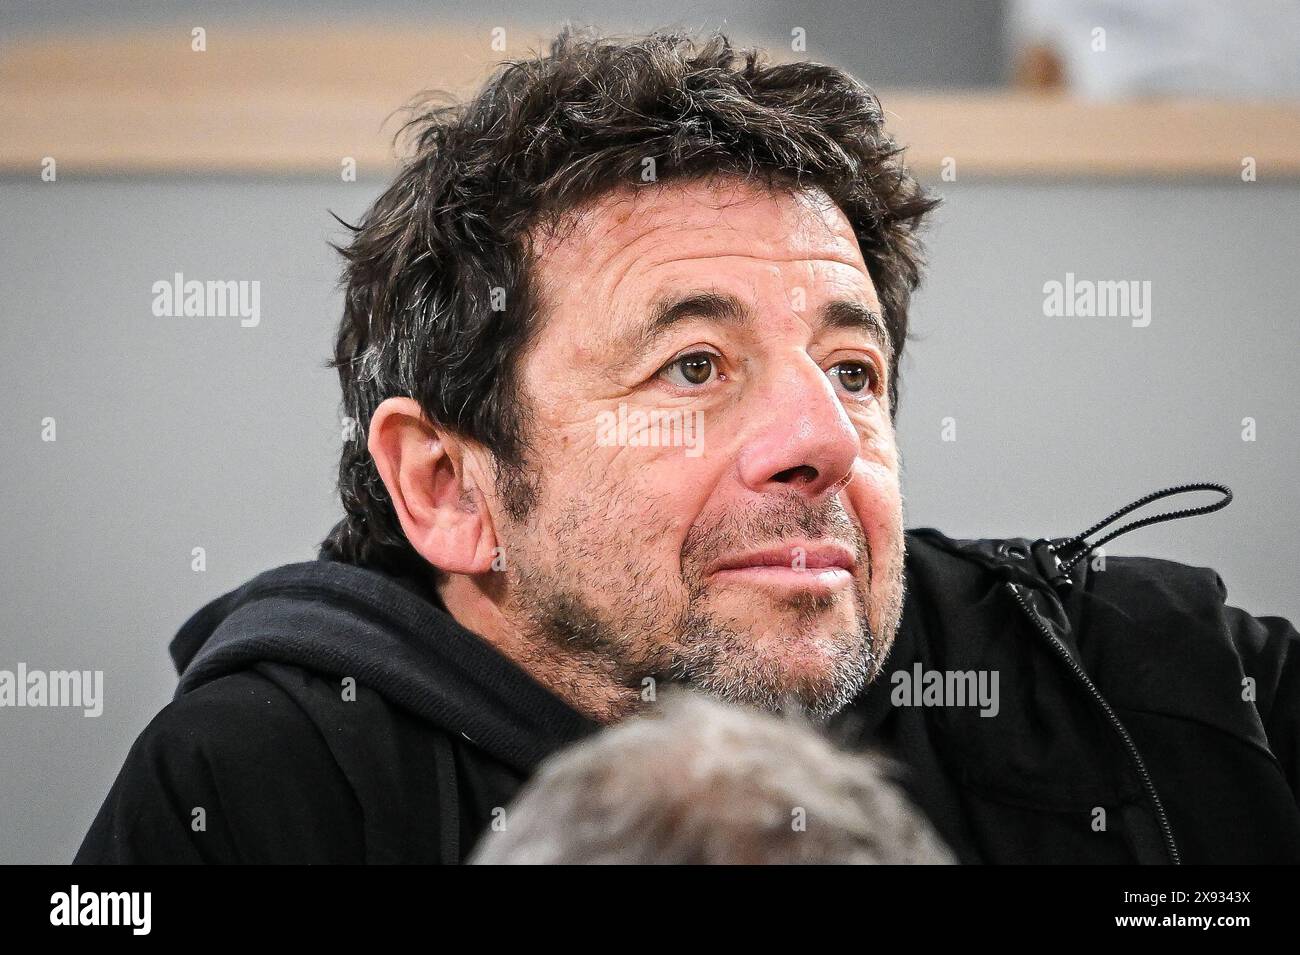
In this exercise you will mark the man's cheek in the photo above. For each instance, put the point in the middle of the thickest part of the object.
(587, 483)
(874, 492)
(876, 501)
(631, 507)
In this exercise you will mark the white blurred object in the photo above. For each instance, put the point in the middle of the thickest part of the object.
(1238, 49)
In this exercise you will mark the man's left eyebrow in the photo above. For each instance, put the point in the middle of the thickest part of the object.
(846, 313)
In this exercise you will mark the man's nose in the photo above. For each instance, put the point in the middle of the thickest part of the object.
(800, 436)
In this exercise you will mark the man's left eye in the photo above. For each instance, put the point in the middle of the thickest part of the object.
(855, 376)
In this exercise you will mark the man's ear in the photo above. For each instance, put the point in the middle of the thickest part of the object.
(442, 511)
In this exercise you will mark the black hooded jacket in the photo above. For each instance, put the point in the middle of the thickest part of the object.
(328, 713)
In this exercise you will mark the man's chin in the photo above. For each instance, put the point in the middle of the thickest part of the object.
(818, 672)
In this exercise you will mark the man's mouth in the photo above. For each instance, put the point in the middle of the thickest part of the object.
(809, 566)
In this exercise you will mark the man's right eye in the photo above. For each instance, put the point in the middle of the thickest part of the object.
(691, 371)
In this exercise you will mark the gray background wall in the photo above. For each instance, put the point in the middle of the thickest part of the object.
(177, 433)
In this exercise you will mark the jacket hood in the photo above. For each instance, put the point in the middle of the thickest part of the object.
(343, 620)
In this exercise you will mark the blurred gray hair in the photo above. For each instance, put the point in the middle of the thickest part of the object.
(697, 781)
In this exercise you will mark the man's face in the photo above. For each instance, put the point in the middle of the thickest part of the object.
(718, 481)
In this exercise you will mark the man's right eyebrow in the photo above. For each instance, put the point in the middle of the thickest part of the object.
(674, 309)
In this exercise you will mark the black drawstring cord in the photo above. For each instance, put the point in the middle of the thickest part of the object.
(1062, 560)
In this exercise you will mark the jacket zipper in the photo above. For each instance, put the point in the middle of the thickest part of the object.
(1171, 848)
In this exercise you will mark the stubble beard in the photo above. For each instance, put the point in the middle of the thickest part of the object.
(617, 655)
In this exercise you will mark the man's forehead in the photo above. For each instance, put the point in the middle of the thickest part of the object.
(662, 223)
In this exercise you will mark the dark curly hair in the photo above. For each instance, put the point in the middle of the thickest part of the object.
(451, 234)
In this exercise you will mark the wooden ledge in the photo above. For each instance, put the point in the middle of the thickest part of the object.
(300, 100)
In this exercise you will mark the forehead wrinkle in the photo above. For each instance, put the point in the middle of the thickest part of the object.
(856, 266)
(614, 333)
(766, 258)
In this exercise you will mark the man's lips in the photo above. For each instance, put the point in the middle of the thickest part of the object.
(794, 556)
(794, 567)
